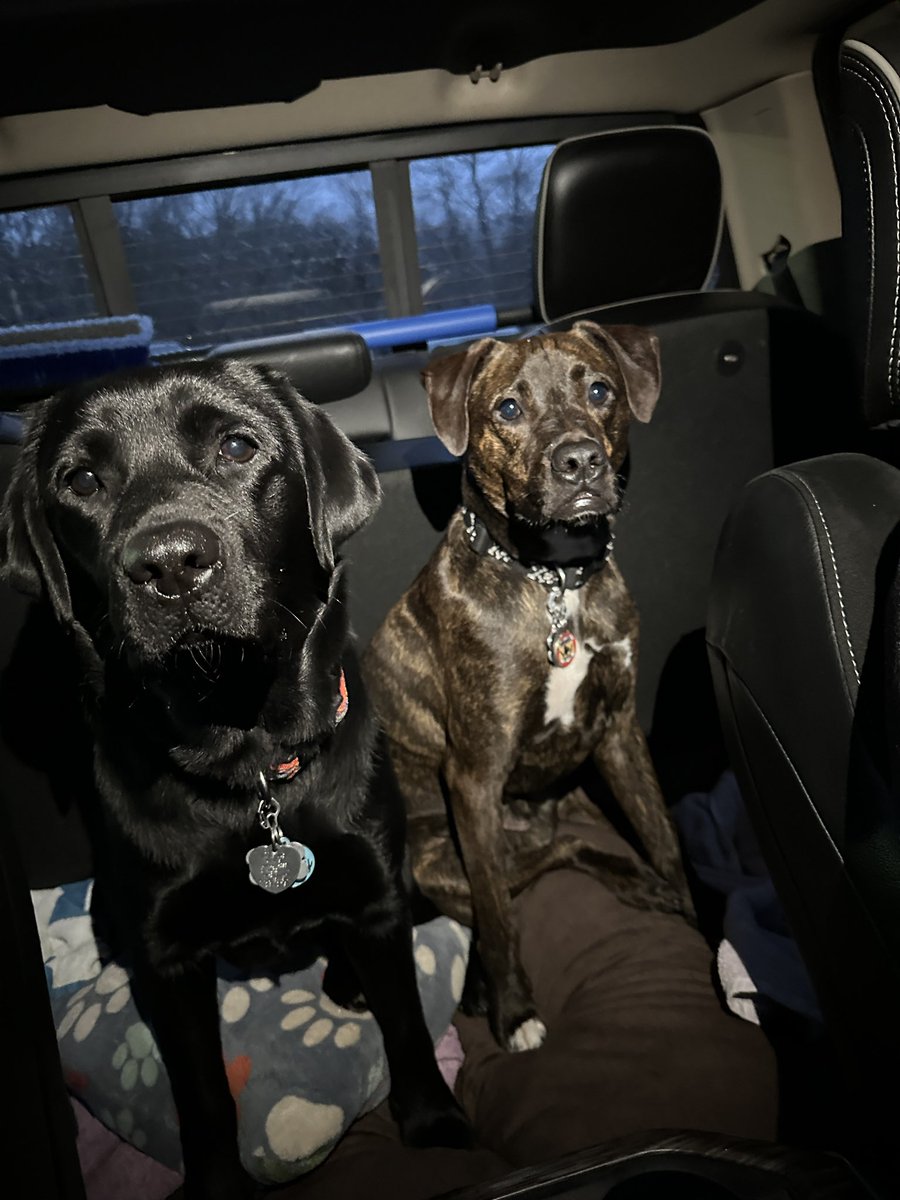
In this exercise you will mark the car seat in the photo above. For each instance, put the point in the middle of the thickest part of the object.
(803, 637)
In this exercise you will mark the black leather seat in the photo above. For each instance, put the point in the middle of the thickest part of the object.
(867, 141)
(604, 233)
(795, 630)
(803, 637)
(631, 228)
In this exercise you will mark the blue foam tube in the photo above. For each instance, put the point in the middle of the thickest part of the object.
(426, 327)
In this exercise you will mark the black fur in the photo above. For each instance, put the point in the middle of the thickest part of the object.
(191, 696)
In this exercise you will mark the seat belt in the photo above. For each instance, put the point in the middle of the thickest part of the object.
(776, 263)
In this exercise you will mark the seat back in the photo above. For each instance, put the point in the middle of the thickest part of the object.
(603, 234)
(867, 148)
(803, 622)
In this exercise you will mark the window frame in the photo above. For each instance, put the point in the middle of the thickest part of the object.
(90, 192)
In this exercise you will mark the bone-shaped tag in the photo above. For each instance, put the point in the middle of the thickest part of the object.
(279, 867)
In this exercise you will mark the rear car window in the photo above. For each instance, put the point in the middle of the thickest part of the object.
(271, 255)
(474, 217)
(257, 260)
(42, 272)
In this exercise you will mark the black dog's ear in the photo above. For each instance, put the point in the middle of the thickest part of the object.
(447, 381)
(342, 485)
(29, 559)
(636, 351)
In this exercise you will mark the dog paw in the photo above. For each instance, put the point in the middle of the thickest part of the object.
(513, 1017)
(528, 1035)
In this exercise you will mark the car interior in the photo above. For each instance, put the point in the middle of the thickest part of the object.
(344, 194)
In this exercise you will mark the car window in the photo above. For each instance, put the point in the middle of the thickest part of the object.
(387, 238)
(256, 260)
(42, 273)
(474, 217)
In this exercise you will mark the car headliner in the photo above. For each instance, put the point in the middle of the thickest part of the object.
(267, 72)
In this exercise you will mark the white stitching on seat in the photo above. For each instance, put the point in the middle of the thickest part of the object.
(848, 66)
(889, 113)
(870, 228)
(790, 762)
(837, 578)
(849, 880)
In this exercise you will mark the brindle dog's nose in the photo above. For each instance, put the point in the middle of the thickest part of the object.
(578, 462)
(175, 559)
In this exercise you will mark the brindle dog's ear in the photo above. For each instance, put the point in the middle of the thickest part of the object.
(342, 487)
(637, 352)
(447, 381)
(29, 559)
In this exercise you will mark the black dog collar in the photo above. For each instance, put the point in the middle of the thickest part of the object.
(566, 578)
(562, 644)
(283, 771)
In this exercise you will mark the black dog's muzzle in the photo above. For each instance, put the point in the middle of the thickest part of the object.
(174, 560)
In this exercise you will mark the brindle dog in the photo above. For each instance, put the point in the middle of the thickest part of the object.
(511, 659)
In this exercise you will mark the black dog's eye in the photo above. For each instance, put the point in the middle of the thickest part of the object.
(83, 482)
(509, 409)
(237, 449)
(599, 391)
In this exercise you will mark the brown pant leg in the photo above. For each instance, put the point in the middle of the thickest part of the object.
(371, 1163)
(637, 1040)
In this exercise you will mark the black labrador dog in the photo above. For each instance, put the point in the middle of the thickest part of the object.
(182, 522)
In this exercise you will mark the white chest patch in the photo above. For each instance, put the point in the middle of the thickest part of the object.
(624, 648)
(563, 682)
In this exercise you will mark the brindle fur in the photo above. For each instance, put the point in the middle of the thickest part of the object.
(459, 669)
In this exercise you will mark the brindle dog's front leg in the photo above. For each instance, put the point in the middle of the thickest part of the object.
(622, 757)
(477, 803)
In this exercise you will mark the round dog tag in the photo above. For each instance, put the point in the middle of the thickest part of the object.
(281, 866)
(562, 647)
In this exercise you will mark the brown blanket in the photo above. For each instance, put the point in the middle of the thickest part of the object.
(638, 1040)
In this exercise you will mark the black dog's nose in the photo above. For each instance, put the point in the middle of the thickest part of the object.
(578, 462)
(175, 559)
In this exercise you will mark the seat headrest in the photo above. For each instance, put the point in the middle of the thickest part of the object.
(321, 366)
(627, 214)
(868, 166)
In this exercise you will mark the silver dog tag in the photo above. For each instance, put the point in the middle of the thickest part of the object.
(280, 866)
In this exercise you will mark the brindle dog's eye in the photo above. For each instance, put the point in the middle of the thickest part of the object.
(509, 409)
(83, 482)
(237, 449)
(599, 391)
